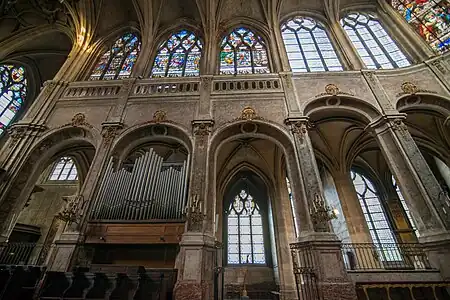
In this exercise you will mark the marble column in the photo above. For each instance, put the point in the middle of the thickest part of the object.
(197, 257)
(428, 205)
(318, 250)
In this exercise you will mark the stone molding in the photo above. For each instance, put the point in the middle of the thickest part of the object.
(110, 130)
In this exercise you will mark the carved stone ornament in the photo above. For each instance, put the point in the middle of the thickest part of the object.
(19, 131)
(332, 89)
(248, 113)
(398, 125)
(299, 127)
(202, 127)
(71, 213)
(159, 116)
(409, 88)
(78, 120)
(195, 214)
(321, 214)
(110, 131)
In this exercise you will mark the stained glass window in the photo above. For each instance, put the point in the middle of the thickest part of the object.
(243, 52)
(376, 218)
(375, 47)
(405, 207)
(430, 18)
(245, 231)
(118, 61)
(308, 46)
(13, 90)
(64, 169)
(178, 56)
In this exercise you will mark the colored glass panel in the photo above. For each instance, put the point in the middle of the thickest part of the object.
(243, 52)
(430, 18)
(178, 56)
(245, 231)
(64, 169)
(13, 90)
(308, 46)
(118, 61)
(373, 44)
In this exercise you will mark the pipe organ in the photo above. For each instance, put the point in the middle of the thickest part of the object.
(152, 190)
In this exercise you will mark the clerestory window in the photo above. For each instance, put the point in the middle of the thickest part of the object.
(64, 169)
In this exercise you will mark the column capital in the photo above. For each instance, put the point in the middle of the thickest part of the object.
(394, 121)
(299, 126)
(110, 130)
(202, 127)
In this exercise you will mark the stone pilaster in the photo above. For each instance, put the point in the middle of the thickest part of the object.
(195, 260)
(429, 206)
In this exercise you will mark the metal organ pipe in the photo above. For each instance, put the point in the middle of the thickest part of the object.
(103, 187)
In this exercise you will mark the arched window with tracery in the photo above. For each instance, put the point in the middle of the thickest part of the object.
(118, 61)
(376, 218)
(243, 52)
(178, 56)
(373, 44)
(13, 90)
(430, 18)
(308, 46)
(246, 233)
(64, 169)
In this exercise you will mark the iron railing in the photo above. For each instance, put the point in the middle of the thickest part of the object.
(367, 256)
(305, 272)
(23, 253)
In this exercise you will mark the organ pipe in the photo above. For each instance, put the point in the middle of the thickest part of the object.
(153, 190)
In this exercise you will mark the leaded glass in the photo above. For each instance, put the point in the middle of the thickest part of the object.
(243, 52)
(64, 169)
(13, 90)
(372, 42)
(405, 207)
(376, 219)
(245, 231)
(308, 46)
(118, 61)
(430, 18)
(178, 56)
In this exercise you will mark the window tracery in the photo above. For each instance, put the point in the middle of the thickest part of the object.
(308, 46)
(64, 169)
(430, 18)
(13, 90)
(178, 56)
(243, 52)
(373, 44)
(118, 61)
(245, 231)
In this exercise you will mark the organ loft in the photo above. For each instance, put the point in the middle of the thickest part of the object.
(225, 149)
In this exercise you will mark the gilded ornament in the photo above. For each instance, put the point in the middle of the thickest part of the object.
(409, 87)
(159, 116)
(248, 113)
(321, 214)
(332, 89)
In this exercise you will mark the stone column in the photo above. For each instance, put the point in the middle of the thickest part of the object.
(422, 193)
(354, 217)
(196, 259)
(70, 238)
(318, 251)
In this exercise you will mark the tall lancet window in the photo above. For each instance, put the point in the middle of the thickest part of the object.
(118, 61)
(178, 56)
(245, 230)
(405, 207)
(308, 46)
(243, 52)
(13, 90)
(374, 45)
(430, 18)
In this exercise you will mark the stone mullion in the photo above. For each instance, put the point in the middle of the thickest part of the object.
(346, 46)
(417, 183)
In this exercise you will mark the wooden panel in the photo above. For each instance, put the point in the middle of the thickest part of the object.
(115, 233)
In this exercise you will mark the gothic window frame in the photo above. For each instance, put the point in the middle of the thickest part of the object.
(59, 166)
(225, 40)
(386, 247)
(440, 42)
(18, 90)
(319, 46)
(404, 205)
(198, 42)
(371, 54)
(110, 53)
(258, 191)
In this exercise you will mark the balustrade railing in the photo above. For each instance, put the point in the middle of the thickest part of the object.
(368, 256)
(23, 253)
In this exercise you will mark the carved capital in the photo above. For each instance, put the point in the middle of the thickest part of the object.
(110, 131)
(19, 131)
(299, 127)
(202, 127)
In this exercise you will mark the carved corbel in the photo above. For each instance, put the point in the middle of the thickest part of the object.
(110, 131)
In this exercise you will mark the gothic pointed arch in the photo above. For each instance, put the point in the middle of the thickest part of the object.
(178, 56)
(118, 61)
(242, 51)
(374, 45)
(308, 46)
